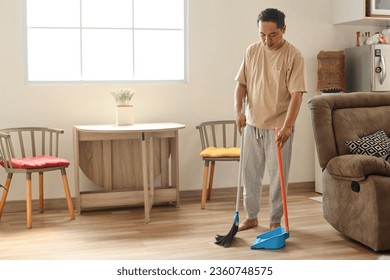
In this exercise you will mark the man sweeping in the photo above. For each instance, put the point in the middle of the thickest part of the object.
(272, 78)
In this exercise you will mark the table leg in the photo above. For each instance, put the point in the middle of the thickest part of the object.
(174, 142)
(151, 172)
(76, 170)
(145, 177)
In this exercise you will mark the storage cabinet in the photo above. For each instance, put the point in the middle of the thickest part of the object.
(354, 12)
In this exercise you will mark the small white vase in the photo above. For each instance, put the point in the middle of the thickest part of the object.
(125, 115)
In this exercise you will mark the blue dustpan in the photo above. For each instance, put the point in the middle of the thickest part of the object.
(273, 239)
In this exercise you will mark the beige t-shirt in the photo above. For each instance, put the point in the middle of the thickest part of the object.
(270, 77)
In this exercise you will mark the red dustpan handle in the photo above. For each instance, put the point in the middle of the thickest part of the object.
(283, 188)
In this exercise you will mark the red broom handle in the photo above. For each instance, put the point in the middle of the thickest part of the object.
(283, 188)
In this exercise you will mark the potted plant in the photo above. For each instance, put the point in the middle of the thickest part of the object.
(124, 110)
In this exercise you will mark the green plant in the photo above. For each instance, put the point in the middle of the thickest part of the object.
(122, 96)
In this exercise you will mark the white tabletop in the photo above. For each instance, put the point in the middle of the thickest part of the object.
(139, 127)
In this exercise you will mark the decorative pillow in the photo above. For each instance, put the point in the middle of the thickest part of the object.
(377, 144)
(220, 152)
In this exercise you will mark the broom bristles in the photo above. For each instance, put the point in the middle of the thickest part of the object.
(226, 240)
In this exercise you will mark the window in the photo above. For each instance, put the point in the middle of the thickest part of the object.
(105, 40)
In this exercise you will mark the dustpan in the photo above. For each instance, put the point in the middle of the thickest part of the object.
(275, 239)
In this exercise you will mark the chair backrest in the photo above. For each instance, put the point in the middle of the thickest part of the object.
(24, 142)
(337, 118)
(221, 133)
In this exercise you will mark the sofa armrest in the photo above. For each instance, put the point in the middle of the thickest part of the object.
(357, 167)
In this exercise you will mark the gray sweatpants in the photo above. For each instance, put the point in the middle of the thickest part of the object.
(259, 152)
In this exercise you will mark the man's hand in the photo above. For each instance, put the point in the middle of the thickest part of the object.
(283, 135)
(241, 122)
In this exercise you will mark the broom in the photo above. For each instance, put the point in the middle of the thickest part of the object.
(226, 240)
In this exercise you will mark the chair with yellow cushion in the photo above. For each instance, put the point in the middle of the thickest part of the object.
(32, 150)
(219, 141)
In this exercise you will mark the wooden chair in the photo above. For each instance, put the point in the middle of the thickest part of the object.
(32, 150)
(219, 143)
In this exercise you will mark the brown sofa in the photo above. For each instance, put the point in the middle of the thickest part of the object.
(356, 187)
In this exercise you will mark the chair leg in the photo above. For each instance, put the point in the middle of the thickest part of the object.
(5, 193)
(67, 194)
(204, 185)
(29, 200)
(41, 203)
(211, 179)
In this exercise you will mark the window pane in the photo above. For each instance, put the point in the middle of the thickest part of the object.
(107, 13)
(159, 14)
(107, 54)
(53, 13)
(105, 40)
(159, 55)
(53, 54)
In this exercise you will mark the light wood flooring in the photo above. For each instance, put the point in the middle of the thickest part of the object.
(186, 233)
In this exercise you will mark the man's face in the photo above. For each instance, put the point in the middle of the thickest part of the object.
(271, 35)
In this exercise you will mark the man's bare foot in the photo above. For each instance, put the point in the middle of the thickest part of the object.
(274, 225)
(248, 223)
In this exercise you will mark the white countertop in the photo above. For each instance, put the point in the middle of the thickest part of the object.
(130, 128)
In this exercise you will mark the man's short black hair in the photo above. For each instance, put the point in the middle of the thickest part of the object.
(273, 15)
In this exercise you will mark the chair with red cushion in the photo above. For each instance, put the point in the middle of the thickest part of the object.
(32, 150)
(219, 143)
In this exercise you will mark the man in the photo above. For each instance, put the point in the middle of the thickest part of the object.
(272, 78)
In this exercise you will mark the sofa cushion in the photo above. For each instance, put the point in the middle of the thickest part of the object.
(376, 144)
(337, 118)
(357, 167)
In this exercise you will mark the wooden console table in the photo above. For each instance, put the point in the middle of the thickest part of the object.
(131, 165)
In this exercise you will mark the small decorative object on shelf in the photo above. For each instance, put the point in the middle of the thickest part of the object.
(124, 110)
(330, 73)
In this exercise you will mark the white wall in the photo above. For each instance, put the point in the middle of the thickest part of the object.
(219, 32)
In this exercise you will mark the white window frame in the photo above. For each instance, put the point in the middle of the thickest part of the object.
(127, 81)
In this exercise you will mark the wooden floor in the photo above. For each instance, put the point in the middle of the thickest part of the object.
(185, 233)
